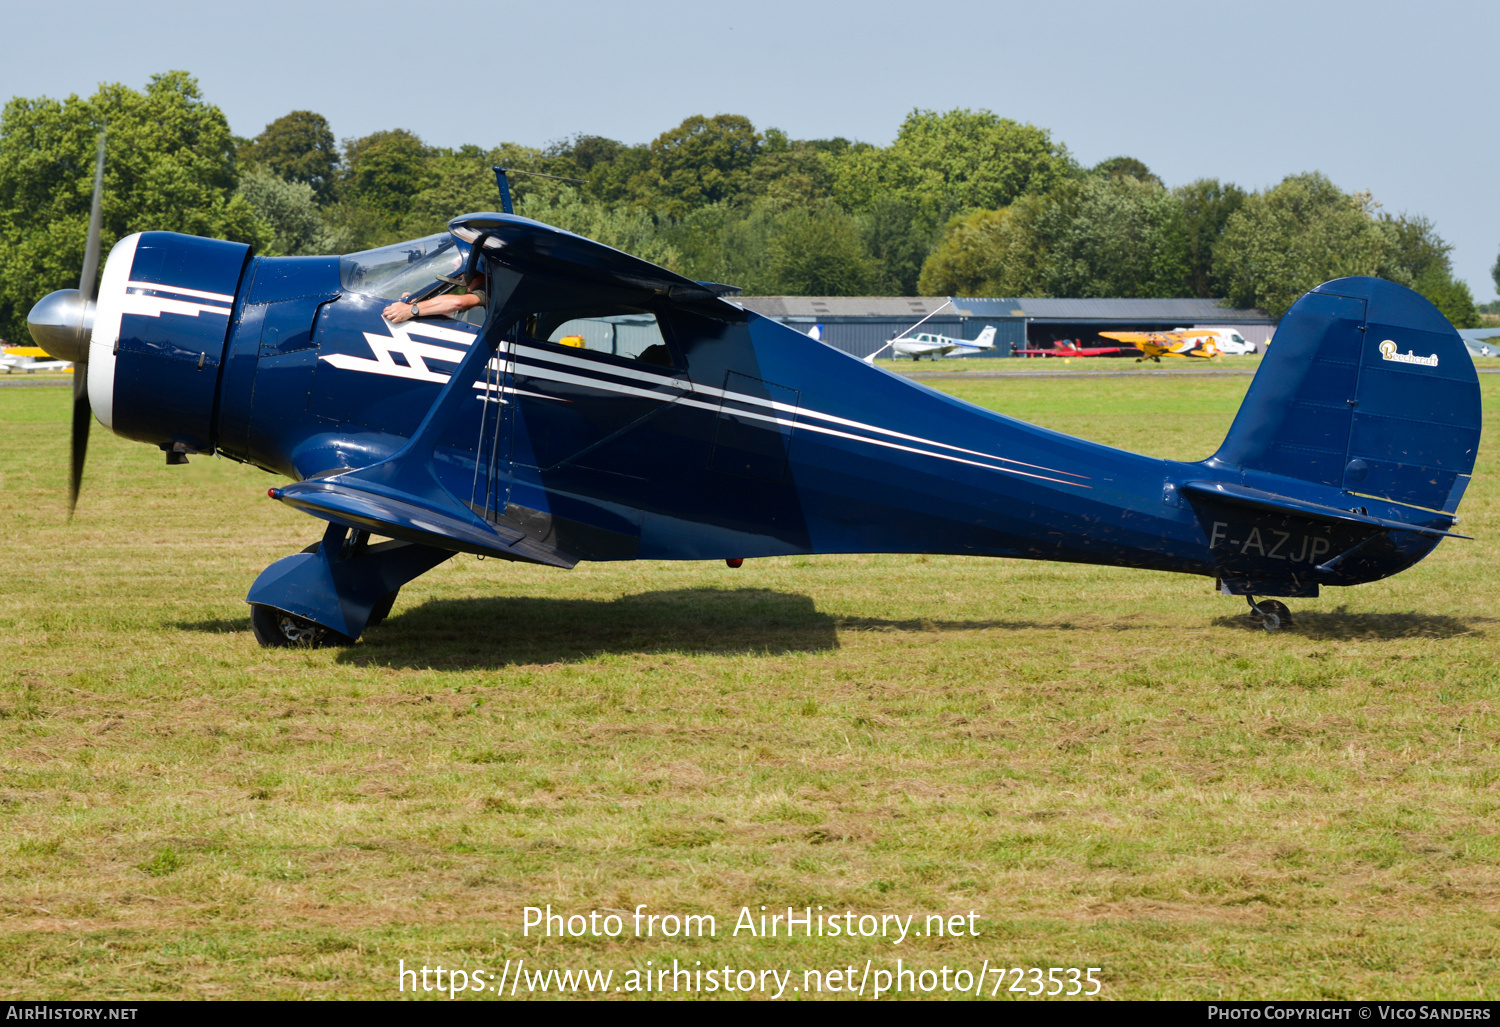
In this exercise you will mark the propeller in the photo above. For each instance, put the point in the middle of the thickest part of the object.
(63, 322)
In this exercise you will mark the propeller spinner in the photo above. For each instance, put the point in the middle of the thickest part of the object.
(62, 323)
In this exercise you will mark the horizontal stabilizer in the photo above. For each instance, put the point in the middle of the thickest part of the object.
(395, 518)
(1255, 499)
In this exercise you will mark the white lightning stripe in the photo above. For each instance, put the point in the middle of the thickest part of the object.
(510, 391)
(562, 376)
(386, 366)
(595, 383)
(783, 408)
(802, 426)
(179, 290)
(389, 368)
(596, 367)
(156, 306)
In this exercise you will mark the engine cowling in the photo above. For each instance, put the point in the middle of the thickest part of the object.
(163, 316)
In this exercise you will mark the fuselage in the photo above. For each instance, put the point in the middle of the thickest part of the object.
(656, 432)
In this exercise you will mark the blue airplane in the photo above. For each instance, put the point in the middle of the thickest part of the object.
(603, 408)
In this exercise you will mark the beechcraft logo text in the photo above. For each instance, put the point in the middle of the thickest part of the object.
(1388, 352)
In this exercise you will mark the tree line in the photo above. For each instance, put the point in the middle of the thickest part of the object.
(961, 202)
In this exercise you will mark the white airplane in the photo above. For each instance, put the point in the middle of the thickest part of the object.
(930, 344)
(29, 359)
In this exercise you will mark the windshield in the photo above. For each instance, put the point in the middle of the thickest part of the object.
(394, 272)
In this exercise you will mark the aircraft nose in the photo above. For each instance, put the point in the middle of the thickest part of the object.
(61, 323)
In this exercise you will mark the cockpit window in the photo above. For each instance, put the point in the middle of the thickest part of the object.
(634, 335)
(394, 272)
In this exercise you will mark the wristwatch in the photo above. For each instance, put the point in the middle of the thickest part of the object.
(413, 310)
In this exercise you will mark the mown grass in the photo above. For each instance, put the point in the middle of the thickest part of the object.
(1112, 767)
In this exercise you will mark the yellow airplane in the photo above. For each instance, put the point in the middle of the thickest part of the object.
(1155, 345)
(29, 359)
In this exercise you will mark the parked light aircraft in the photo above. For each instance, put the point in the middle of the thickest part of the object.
(1070, 348)
(687, 428)
(933, 345)
(1155, 345)
(1482, 342)
(29, 359)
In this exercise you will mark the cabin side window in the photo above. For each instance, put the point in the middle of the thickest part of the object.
(631, 335)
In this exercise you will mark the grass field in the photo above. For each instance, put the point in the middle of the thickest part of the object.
(1111, 768)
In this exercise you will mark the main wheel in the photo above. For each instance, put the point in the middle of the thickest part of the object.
(278, 629)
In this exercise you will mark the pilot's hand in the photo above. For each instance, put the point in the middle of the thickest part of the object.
(397, 312)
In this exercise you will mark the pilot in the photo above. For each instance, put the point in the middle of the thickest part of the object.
(438, 306)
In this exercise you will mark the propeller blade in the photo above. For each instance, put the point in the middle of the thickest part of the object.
(96, 216)
(83, 412)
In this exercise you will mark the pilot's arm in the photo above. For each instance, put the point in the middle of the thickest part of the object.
(437, 306)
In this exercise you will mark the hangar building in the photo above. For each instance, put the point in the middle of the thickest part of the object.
(862, 324)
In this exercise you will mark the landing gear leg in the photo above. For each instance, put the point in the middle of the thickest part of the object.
(1269, 614)
(329, 593)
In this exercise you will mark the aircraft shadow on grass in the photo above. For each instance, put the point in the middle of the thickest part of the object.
(1340, 624)
(507, 630)
(524, 629)
(216, 626)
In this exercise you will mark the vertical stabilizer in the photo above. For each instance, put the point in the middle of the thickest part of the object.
(1366, 387)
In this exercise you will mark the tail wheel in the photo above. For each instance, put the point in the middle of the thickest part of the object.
(1271, 614)
(281, 630)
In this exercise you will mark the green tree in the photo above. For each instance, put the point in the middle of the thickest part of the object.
(1112, 236)
(1118, 167)
(170, 165)
(624, 228)
(1415, 250)
(1450, 296)
(1096, 236)
(954, 162)
(899, 235)
(817, 250)
(298, 147)
(1296, 235)
(1206, 207)
(287, 208)
(1416, 256)
(384, 170)
(989, 253)
(790, 174)
(609, 180)
(589, 151)
(701, 161)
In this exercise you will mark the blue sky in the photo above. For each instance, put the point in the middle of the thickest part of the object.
(1397, 98)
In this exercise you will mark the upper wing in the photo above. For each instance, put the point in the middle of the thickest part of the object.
(532, 247)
